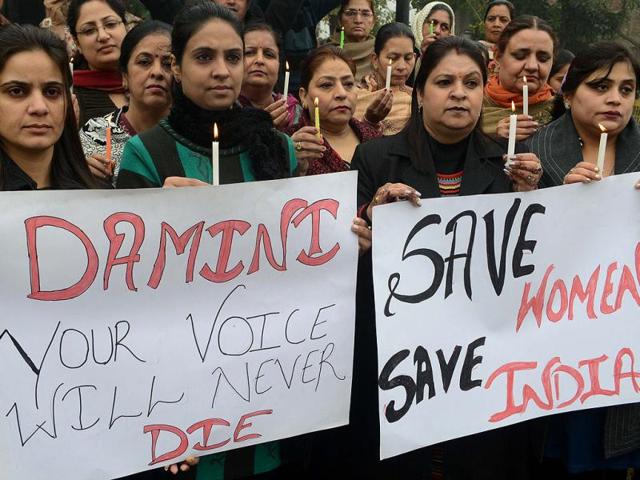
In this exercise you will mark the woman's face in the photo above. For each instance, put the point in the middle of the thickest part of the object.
(32, 104)
(99, 33)
(239, 7)
(149, 72)
(212, 67)
(529, 53)
(261, 60)
(452, 98)
(556, 81)
(498, 18)
(441, 24)
(334, 86)
(607, 101)
(400, 51)
(357, 20)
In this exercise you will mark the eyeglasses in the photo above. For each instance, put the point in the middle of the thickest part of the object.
(353, 12)
(92, 30)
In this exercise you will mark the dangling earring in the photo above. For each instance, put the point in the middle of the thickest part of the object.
(420, 109)
(567, 105)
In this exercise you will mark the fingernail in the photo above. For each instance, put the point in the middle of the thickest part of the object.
(638, 185)
(419, 203)
(598, 177)
(418, 194)
(597, 169)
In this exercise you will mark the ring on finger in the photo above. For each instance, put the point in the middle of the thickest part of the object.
(530, 179)
(298, 146)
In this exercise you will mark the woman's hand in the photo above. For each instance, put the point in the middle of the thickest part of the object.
(393, 192)
(524, 170)
(99, 166)
(184, 466)
(279, 113)
(362, 229)
(583, 172)
(380, 107)
(308, 147)
(525, 127)
(177, 182)
(427, 41)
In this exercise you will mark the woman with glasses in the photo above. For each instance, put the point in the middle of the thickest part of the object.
(98, 28)
(357, 18)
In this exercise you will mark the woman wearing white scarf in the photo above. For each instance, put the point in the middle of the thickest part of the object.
(436, 20)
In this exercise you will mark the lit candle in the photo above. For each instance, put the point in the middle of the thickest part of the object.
(513, 124)
(602, 150)
(317, 111)
(215, 158)
(525, 97)
(389, 69)
(107, 144)
(286, 81)
(342, 37)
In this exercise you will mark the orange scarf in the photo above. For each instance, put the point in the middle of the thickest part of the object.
(502, 97)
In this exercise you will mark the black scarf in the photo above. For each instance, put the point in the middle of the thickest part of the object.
(248, 128)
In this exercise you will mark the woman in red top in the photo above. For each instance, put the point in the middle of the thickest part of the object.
(329, 76)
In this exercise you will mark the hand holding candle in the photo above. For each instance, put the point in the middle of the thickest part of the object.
(513, 124)
(525, 97)
(317, 116)
(431, 28)
(389, 72)
(602, 150)
(286, 81)
(215, 157)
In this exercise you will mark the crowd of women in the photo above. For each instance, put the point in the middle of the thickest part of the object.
(419, 112)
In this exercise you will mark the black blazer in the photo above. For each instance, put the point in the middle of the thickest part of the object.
(387, 159)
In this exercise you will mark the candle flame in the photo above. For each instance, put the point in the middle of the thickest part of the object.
(286, 65)
(513, 106)
(316, 101)
(525, 80)
(390, 62)
(604, 130)
(215, 131)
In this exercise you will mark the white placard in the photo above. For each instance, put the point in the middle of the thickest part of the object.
(119, 355)
(495, 309)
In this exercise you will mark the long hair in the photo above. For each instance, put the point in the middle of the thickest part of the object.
(414, 129)
(69, 162)
(136, 35)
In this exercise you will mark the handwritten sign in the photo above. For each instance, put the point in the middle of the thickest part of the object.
(495, 309)
(140, 327)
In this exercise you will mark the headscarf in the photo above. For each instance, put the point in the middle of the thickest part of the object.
(422, 16)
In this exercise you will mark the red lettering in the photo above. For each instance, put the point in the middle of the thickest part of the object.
(627, 284)
(206, 426)
(558, 287)
(32, 225)
(510, 370)
(619, 375)
(115, 243)
(593, 365)
(155, 433)
(180, 244)
(242, 425)
(228, 229)
(310, 258)
(536, 304)
(605, 308)
(577, 377)
(590, 293)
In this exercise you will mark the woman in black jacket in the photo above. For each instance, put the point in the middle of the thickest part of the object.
(441, 152)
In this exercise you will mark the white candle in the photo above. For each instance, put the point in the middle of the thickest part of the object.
(215, 157)
(286, 81)
(525, 97)
(71, 70)
(513, 125)
(602, 150)
(389, 70)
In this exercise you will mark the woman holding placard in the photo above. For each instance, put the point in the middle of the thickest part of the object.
(393, 63)
(39, 143)
(328, 93)
(208, 70)
(599, 91)
(262, 47)
(441, 152)
(524, 54)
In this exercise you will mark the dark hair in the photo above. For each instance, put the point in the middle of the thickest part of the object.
(430, 60)
(317, 57)
(74, 13)
(191, 19)
(597, 56)
(344, 3)
(265, 27)
(440, 7)
(69, 162)
(562, 58)
(136, 35)
(389, 31)
(525, 22)
(496, 3)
